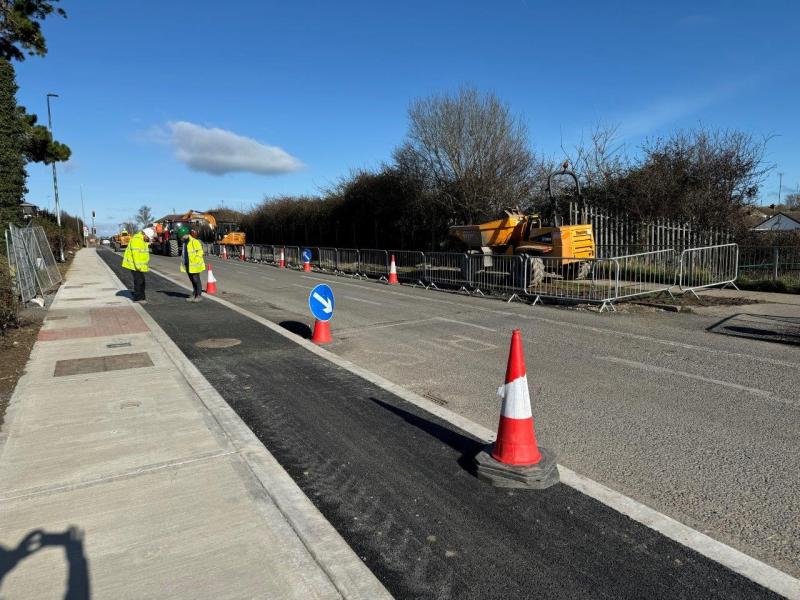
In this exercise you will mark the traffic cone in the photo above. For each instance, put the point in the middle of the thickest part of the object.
(282, 261)
(211, 286)
(242, 255)
(515, 459)
(393, 273)
(307, 266)
(224, 253)
(322, 332)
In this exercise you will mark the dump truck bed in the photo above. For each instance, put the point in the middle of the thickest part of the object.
(493, 233)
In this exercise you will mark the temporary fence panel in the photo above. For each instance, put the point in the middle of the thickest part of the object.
(708, 266)
(410, 265)
(373, 263)
(21, 268)
(326, 259)
(292, 257)
(47, 272)
(447, 270)
(592, 280)
(498, 273)
(770, 263)
(347, 261)
(645, 273)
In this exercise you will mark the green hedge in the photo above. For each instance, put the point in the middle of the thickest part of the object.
(8, 299)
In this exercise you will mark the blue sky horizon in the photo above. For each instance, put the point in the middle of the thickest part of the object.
(185, 105)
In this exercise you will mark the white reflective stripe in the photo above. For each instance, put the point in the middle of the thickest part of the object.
(516, 399)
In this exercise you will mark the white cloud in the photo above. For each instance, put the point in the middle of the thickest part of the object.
(219, 151)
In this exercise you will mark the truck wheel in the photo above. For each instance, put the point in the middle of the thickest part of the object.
(536, 271)
(172, 248)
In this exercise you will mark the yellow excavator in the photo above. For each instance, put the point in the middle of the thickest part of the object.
(568, 248)
(121, 240)
(167, 243)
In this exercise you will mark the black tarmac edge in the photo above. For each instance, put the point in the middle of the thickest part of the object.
(399, 484)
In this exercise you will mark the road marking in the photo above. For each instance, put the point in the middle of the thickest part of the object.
(362, 300)
(739, 562)
(665, 371)
(466, 324)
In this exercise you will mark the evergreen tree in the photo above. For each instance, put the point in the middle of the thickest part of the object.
(12, 158)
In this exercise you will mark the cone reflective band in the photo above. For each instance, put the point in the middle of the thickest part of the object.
(282, 262)
(393, 272)
(242, 255)
(516, 440)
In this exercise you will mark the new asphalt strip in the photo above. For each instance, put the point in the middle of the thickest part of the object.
(396, 482)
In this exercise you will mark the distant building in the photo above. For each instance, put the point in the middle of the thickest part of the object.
(780, 221)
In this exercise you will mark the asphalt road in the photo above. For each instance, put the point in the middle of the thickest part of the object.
(701, 426)
(395, 482)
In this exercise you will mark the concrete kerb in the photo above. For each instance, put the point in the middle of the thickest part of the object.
(739, 562)
(346, 571)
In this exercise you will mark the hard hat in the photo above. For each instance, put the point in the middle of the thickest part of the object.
(149, 232)
(183, 230)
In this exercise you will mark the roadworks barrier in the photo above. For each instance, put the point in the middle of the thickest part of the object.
(211, 286)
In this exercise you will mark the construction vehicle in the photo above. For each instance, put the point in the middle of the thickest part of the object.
(168, 244)
(120, 240)
(570, 246)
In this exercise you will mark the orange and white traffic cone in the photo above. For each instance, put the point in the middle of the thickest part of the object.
(515, 459)
(282, 261)
(307, 266)
(393, 273)
(241, 257)
(224, 253)
(211, 286)
(322, 332)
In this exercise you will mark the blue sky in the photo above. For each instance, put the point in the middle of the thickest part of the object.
(157, 98)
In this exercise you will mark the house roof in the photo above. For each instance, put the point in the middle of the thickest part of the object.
(784, 220)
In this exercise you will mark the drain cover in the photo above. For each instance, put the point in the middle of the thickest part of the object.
(218, 343)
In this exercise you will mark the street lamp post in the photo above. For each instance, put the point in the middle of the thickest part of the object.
(55, 184)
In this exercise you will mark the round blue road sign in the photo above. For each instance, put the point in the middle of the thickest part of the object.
(306, 255)
(321, 302)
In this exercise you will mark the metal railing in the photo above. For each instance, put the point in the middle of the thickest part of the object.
(292, 257)
(645, 273)
(326, 260)
(373, 263)
(347, 261)
(447, 270)
(410, 266)
(592, 280)
(709, 266)
(770, 263)
(32, 262)
(498, 274)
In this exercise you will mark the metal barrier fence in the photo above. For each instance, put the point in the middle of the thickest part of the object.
(503, 274)
(32, 261)
(292, 257)
(448, 270)
(347, 261)
(645, 273)
(708, 266)
(410, 266)
(593, 280)
(327, 259)
(373, 263)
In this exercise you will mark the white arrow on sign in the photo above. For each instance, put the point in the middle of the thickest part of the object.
(326, 303)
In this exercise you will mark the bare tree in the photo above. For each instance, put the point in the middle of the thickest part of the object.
(144, 217)
(470, 151)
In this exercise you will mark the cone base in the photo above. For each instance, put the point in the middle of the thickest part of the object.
(212, 290)
(322, 332)
(307, 267)
(392, 279)
(537, 477)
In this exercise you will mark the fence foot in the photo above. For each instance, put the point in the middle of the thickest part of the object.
(608, 305)
(537, 300)
(383, 279)
(432, 285)
(464, 289)
(695, 294)
(733, 284)
(478, 291)
(512, 298)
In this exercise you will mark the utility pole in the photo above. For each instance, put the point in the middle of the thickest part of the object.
(83, 215)
(55, 184)
(780, 186)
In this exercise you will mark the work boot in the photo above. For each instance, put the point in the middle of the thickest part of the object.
(141, 301)
(198, 298)
(190, 299)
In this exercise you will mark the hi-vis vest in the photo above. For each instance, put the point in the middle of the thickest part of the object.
(137, 254)
(195, 251)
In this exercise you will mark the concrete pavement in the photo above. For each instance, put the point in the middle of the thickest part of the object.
(124, 474)
(659, 407)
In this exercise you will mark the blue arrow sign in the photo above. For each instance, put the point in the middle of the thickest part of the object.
(321, 302)
(306, 255)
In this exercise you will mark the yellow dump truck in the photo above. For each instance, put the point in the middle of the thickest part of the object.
(568, 248)
(120, 241)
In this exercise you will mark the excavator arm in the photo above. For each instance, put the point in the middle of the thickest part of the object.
(194, 215)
